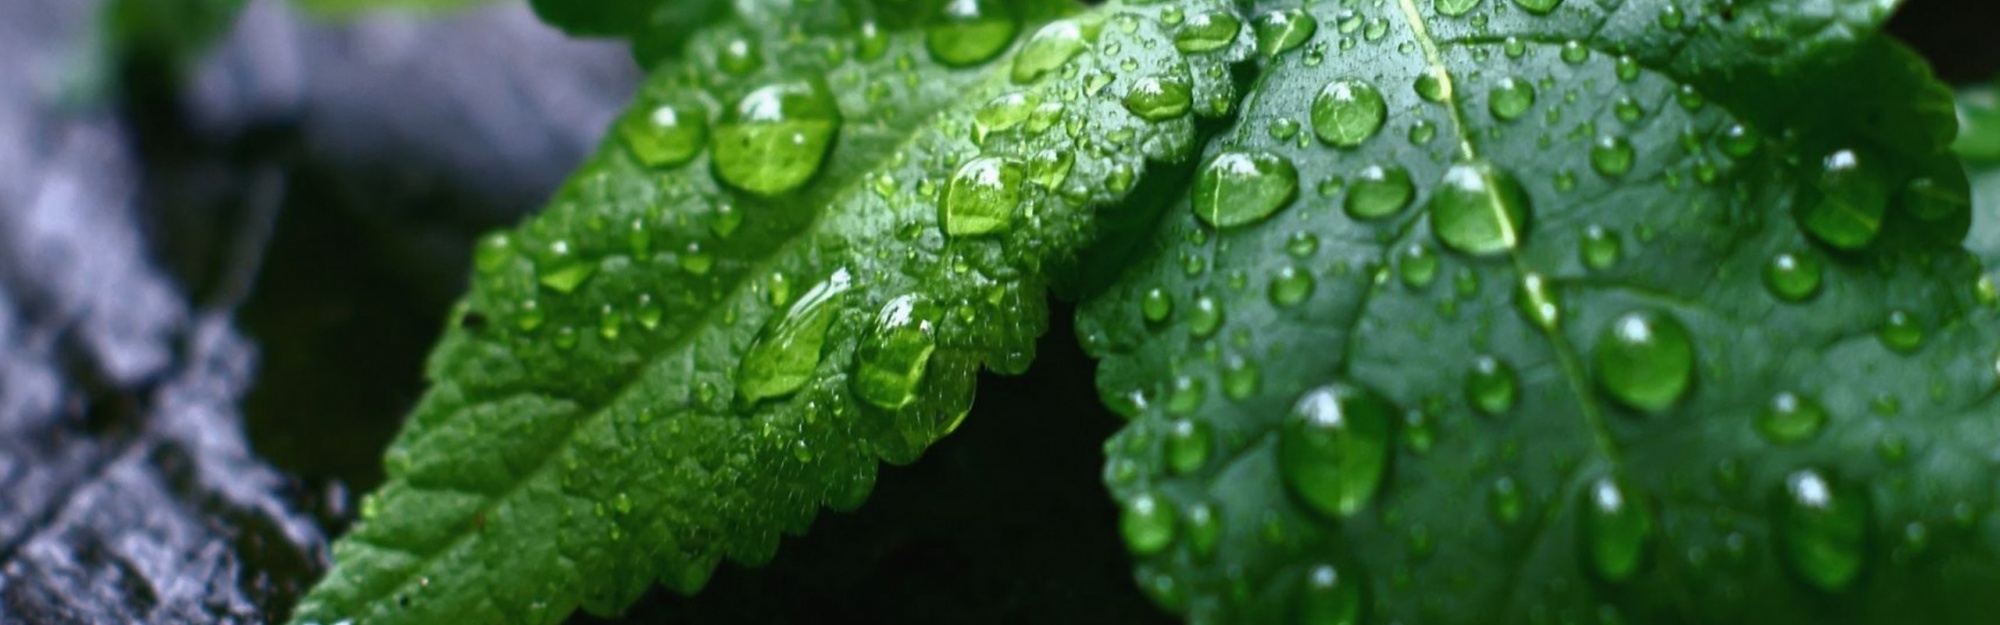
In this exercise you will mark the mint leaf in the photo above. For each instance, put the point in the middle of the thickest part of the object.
(1540, 311)
(788, 262)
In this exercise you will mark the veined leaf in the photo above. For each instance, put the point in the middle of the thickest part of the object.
(786, 265)
(1641, 311)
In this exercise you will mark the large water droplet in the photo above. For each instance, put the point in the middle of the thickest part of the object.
(1852, 201)
(1616, 529)
(1326, 597)
(1793, 277)
(1334, 448)
(1491, 385)
(1479, 209)
(1539, 7)
(1347, 112)
(787, 350)
(1147, 524)
(1822, 526)
(1433, 85)
(1510, 98)
(970, 31)
(1645, 360)
(665, 135)
(1379, 191)
(981, 197)
(890, 361)
(1281, 30)
(1790, 418)
(1207, 31)
(1156, 98)
(1237, 188)
(776, 137)
(1052, 46)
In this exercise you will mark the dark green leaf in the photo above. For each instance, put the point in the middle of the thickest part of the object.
(1670, 323)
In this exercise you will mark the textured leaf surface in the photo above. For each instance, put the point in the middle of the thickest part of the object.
(713, 330)
(1631, 349)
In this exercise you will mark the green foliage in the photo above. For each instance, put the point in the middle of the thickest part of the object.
(1465, 311)
(1656, 313)
(747, 298)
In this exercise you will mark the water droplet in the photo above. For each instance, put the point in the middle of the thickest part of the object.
(665, 135)
(739, 56)
(1328, 598)
(776, 137)
(891, 358)
(1510, 98)
(1822, 526)
(1600, 248)
(1282, 30)
(1617, 528)
(1347, 112)
(1051, 47)
(1793, 277)
(1852, 201)
(1645, 360)
(1433, 85)
(610, 323)
(493, 252)
(1574, 52)
(1379, 191)
(970, 32)
(1491, 385)
(1159, 98)
(1206, 317)
(530, 316)
(1147, 524)
(1185, 395)
(1302, 244)
(566, 278)
(1156, 305)
(1738, 141)
(1537, 300)
(1455, 8)
(981, 197)
(1931, 199)
(1291, 285)
(1479, 209)
(1419, 265)
(1612, 156)
(1790, 418)
(1627, 69)
(787, 351)
(1240, 378)
(1204, 528)
(1539, 7)
(1188, 445)
(1901, 332)
(1334, 448)
(1237, 188)
(1204, 32)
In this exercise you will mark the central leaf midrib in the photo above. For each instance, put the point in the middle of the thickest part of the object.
(1567, 358)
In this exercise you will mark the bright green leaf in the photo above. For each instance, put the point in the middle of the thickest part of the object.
(1654, 313)
(745, 300)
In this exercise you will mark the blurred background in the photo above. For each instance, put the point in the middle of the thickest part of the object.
(222, 266)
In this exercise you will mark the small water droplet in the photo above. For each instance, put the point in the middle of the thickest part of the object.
(1852, 202)
(1491, 385)
(1348, 112)
(1574, 52)
(1051, 47)
(1237, 188)
(1454, 8)
(1479, 209)
(1790, 418)
(1539, 7)
(1901, 332)
(1379, 191)
(1147, 524)
(1793, 277)
(1328, 598)
(1334, 448)
(1433, 85)
(776, 138)
(1240, 378)
(1645, 360)
(969, 32)
(893, 354)
(1738, 141)
(1291, 286)
(1282, 30)
(1156, 305)
(1506, 501)
(1822, 526)
(1188, 445)
(1208, 31)
(787, 351)
(1617, 528)
(1612, 156)
(665, 135)
(1155, 98)
(981, 197)
(1600, 248)
(1204, 528)
(1205, 318)
(1419, 265)
(1537, 300)
(1510, 98)
(493, 251)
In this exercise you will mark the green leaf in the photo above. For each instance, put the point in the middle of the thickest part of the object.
(1979, 144)
(747, 297)
(1640, 311)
